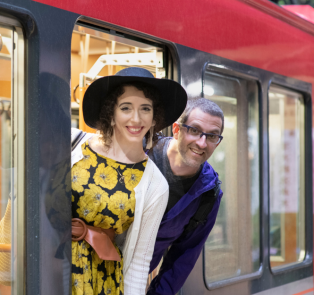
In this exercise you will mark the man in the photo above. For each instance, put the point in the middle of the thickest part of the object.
(194, 193)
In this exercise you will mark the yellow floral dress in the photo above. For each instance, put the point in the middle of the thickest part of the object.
(101, 199)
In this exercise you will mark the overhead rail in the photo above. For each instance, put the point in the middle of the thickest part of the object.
(150, 59)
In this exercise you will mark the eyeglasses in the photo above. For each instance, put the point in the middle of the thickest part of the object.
(210, 137)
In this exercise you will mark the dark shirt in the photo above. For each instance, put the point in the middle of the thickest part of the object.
(178, 185)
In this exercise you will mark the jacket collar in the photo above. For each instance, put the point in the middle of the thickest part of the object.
(205, 182)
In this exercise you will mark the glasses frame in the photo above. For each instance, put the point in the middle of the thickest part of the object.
(203, 133)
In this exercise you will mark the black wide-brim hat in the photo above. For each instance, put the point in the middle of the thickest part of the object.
(172, 94)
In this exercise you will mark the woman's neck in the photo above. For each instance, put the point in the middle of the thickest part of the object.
(119, 150)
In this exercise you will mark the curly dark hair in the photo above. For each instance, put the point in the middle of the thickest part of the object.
(107, 110)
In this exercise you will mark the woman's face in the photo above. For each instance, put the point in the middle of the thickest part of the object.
(133, 115)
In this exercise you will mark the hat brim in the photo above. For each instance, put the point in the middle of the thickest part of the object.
(173, 97)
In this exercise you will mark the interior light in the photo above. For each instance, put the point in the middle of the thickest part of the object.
(194, 88)
(208, 90)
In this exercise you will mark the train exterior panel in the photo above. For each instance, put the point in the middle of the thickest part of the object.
(255, 59)
(250, 32)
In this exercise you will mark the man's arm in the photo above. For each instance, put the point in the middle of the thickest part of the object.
(182, 257)
(160, 248)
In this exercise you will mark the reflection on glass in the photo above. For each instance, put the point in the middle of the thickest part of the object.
(286, 168)
(233, 247)
(5, 161)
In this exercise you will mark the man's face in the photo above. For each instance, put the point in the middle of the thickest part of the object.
(195, 151)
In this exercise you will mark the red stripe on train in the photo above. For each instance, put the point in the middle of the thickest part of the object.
(304, 292)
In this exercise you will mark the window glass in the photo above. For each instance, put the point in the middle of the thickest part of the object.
(11, 159)
(233, 246)
(95, 54)
(286, 177)
(6, 207)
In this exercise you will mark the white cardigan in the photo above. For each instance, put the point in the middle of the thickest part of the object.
(151, 196)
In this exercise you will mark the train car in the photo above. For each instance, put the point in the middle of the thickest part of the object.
(253, 58)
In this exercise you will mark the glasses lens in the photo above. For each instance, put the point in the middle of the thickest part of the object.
(213, 138)
(194, 132)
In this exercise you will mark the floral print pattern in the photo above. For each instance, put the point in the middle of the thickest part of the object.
(89, 158)
(132, 178)
(101, 200)
(106, 176)
(79, 177)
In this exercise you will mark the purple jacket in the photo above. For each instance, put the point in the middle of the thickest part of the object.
(185, 249)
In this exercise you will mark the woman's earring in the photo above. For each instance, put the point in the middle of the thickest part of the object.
(150, 139)
(112, 122)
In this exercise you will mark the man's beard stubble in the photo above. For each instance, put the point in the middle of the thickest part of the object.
(187, 161)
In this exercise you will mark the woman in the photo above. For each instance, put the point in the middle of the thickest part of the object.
(118, 194)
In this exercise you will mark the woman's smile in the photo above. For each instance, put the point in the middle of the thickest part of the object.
(134, 130)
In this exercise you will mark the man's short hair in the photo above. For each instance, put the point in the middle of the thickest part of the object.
(205, 105)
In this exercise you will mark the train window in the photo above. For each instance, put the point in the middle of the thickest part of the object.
(286, 176)
(97, 53)
(233, 247)
(11, 158)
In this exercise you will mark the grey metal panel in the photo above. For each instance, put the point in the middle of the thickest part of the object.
(292, 288)
(53, 131)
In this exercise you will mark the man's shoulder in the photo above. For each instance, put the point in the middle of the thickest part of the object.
(210, 178)
(157, 152)
(160, 144)
(209, 170)
(155, 170)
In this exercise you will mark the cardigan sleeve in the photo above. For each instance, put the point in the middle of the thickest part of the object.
(135, 279)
